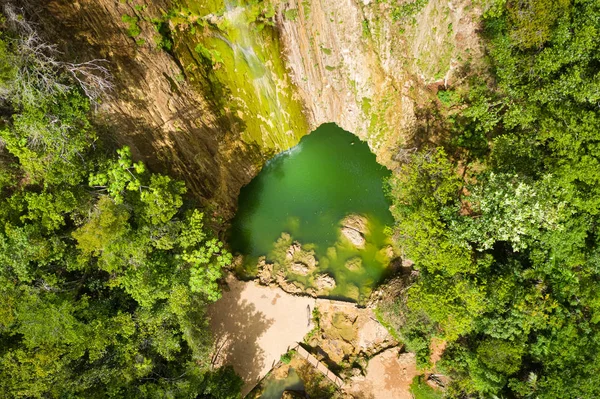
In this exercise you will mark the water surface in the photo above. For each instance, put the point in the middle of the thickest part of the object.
(306, 192)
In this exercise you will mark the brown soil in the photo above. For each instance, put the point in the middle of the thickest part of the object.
(389, 375)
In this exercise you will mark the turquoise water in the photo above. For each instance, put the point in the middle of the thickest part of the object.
(306, 192)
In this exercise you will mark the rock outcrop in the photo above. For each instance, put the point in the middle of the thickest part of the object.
(356, 65)
(324, 283)
(354, 228)
(265, 272)
(347, 61)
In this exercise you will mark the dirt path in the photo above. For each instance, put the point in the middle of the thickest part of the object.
(254, 325)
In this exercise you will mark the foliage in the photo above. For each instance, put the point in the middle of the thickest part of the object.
(105, 277)
(503, 234)
(286, 358)
(408, 9)
(420, 389)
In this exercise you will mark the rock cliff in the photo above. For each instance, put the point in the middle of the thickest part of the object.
(209, 91)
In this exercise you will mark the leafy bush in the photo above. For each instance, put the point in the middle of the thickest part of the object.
(286, 358)
(421, 390)
(502, 234)
(104, 276)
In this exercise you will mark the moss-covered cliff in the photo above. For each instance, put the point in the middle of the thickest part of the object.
(209, 90)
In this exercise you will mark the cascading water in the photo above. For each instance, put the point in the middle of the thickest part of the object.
(260, 90)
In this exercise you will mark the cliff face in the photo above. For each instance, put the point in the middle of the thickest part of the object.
(241, 83)
(364, 64)
(167, 121)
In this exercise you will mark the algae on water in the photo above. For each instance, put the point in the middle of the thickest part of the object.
(317, 214)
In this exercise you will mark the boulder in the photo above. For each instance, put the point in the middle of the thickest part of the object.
(407, 263)
(354, 228)
(291, 251)
(325, 282)
(292, 395)
(296, 254)
(265, 271)
(387, 251)
(355, 237)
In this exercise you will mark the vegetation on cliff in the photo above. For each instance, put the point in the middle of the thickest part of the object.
(502, 222)
(105, 270)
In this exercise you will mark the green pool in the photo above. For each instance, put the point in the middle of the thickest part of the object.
(306, 193)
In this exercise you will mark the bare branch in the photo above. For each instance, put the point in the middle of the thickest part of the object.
(40, 72)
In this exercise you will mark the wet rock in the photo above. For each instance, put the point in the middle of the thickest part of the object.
(387, 251)
(265, 272)
(356, 374)
(354, 237)
(281, 372)
(296, 255)
(354, 264)
(289, 287)
(299, 268)
(325, 282)
(295, 247)
(354, 228)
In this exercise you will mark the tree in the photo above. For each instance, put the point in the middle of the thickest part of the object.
(104, 278)
(508, 266)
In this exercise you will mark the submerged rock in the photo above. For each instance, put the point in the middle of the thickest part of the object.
(354, 228)
(292, 395)
(325, 282)
(354, 264)
(299, 268)
(387, 251)
(352, 292)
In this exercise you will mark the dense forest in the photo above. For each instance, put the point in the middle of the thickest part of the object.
(502, 220)
(106, 269)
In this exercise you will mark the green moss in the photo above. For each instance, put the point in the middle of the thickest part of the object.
(381, 319)
(291, 14)
(133, 29)
(378, 127)
(306, 9)
(237, 63)
(366, 105)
